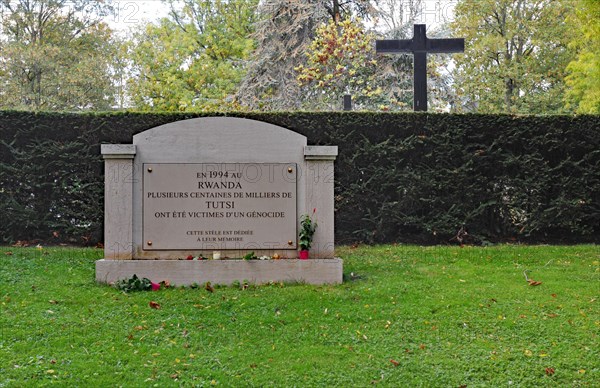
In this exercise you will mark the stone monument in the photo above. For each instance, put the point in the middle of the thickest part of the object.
(217, 188)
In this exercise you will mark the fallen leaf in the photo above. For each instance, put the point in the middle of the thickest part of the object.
(174, 376)
(52, 301)
(581, 371)
(528, 353)
(154, 305)
(208, 287)
(422, 347)
(52, 361)
(549, 371)
(9, 253)
(396, 363)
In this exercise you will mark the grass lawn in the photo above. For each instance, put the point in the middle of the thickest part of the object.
(405, 316)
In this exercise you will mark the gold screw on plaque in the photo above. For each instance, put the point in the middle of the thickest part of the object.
(290, 170)
(149, 242)
(149, 169)
(290, 242)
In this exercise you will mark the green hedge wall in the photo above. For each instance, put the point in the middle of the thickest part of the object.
(400, 177)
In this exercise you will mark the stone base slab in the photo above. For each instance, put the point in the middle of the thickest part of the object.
(226, 272)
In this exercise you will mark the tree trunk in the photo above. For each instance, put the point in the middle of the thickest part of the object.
(336, 11)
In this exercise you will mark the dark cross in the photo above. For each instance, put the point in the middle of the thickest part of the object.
(420, 45)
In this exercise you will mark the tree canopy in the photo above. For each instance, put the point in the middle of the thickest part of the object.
(55, 55)
(516, 54)
(340, 61)
(284, 31)
(521, 56)
(583, 80)
(195, 58)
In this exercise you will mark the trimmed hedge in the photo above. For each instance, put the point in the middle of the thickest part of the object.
(400, 177)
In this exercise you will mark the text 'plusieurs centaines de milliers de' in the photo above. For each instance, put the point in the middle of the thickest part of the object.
(202, 195)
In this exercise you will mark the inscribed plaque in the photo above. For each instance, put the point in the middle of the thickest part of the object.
(202, 206)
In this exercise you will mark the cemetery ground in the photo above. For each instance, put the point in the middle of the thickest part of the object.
(405, 315)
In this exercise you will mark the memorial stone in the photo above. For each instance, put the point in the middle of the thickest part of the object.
(217, 188)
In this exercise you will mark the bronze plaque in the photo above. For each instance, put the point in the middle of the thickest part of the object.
(241, 206)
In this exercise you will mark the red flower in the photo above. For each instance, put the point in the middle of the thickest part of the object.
(190, 257)
(155, 286)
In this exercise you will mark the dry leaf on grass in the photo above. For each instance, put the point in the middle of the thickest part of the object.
(154, 305)
(531, 281)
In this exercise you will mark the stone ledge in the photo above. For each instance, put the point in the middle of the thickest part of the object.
(320, 152)
(118, 151)
(187, 272)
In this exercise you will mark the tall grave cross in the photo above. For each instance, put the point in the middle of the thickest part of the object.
(420, 45)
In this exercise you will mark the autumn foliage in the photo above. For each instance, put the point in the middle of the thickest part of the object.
(340, 61)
